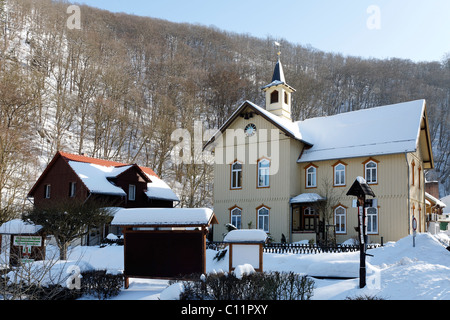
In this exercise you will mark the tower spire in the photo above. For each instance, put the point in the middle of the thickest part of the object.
(278, 92)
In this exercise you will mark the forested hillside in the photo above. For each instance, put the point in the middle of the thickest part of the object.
(118, 88)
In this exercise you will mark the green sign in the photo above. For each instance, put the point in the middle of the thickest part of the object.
(33, 241)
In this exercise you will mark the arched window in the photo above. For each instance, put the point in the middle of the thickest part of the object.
(340, 219)
(263, 173)
(339, 174)
(371, 169)
(274, 97)
(311, 177)
(236, 175)
(263, 219)
(236, 217)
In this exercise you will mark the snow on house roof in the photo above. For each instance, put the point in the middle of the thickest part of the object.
(95, 177)
(288, 127)
(368, 132)
(158, 189)
(164, 217)
(307, 198)
(247, 235)
(18, 226)
(95, 173)
(436, 201)
(86, 159)
(375, 131)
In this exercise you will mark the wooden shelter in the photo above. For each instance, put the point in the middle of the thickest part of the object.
(164, 243)
(26, 241)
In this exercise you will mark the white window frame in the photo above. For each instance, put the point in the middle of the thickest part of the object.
(371, 218)
(263, 219)
(236, 176)
(313, 176)
(371, 171)
(132, 192)
(339, 174)
(236, 217)
(263, 173)
(340, 219)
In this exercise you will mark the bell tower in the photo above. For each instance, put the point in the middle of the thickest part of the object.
(278, 93)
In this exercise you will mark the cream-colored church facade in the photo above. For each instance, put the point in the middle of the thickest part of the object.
(290, 178)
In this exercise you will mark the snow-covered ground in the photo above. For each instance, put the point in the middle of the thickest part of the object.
(397, 271)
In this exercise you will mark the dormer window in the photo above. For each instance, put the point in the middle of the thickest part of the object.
(132, 192)
(286, 98)
(274, 97)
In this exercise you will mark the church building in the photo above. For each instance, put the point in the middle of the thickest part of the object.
(290, 178)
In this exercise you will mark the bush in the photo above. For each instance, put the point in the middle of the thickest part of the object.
(100, 284)
(256, 286)
(54, 292)
(96, 283)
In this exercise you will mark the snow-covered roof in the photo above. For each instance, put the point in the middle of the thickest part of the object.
(164, 217)
(283, 123)
(95, 177)
(18, 226)
(158, 189)
(375, 131)
(307, 198)
(435, 200)
(288, 127)
(94, 173)
(246, 235)
(369, 132)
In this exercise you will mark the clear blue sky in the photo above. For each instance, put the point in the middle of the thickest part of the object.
(416, 29)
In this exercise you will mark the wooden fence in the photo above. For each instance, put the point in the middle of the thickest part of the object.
(298, 248)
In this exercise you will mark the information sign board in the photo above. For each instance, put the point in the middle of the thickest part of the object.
(32, 241)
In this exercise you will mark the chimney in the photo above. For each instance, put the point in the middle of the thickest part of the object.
(432, 187)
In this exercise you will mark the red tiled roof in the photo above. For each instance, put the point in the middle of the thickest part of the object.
(79, 158)
(100, 162)
(149, 171)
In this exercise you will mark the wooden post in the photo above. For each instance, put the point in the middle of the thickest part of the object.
(360, 189)
(362, 241)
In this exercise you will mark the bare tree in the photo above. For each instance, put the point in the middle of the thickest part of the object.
(67, 221)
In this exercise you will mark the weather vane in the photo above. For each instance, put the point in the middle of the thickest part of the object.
(277, 44)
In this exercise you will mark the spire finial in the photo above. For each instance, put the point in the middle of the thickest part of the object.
(277, 44)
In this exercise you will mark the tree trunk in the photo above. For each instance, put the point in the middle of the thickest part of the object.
(63, 250)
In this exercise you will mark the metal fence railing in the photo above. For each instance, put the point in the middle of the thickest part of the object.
(297, 248)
